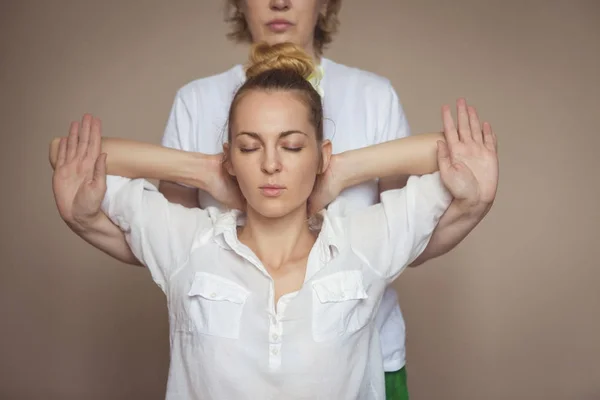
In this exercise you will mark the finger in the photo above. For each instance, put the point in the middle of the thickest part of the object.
(84, 136)
(62, 152)
(464, 129)
(489, 139)
(475, 125)
(449, 129)
(95, 144)
(100, 170)
(72, 141)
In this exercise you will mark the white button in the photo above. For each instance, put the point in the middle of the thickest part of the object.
(275, 336)
(213, 295)
(274, 351)
(343, 296)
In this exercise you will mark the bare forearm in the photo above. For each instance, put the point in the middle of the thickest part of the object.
(134, 159)
(413, 155)
(456, 223)
(105, 236)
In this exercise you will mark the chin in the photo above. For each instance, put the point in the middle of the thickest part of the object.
(276, 38)
(274, 208)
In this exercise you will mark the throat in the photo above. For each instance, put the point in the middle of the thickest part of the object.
(288, 278)
(282, 249)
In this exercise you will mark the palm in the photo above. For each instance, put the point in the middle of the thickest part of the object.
(469, 161)
(78, 185)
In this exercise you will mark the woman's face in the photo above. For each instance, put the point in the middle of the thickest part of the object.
(277, 21)
(274, 153)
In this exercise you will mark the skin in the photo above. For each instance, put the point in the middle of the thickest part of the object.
(274, 143)
(461, 218)
(301, 15)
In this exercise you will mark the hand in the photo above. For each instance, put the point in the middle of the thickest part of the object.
(468, 160)
(79, 180)
(223, 186)
(328, 186)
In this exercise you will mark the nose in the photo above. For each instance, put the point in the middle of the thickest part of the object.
(271, 164)
(280, 5)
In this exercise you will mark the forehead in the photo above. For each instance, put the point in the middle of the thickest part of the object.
(271, 112)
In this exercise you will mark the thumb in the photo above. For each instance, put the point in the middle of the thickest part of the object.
(100, 169)
(443, 155)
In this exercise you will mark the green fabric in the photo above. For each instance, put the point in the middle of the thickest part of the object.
(395, 385)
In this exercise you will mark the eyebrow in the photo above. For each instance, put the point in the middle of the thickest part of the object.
(281, 135)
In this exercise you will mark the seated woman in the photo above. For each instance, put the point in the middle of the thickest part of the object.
(268, 302)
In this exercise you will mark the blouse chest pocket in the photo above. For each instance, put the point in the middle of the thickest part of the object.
(216, 305)
(339, 305)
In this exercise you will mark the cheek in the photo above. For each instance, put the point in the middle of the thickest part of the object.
(305, 172)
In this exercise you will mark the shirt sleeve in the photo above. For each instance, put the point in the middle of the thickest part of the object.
(178, 132)
(390, 235)
(160, 234)
(393, 123)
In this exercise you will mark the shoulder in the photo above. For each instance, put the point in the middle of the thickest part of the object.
(217, 87)
(356, 78)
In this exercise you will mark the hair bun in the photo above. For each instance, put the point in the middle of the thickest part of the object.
(283, 56)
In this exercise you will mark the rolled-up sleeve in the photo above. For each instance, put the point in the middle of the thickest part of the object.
(160, 234)
(392, 234)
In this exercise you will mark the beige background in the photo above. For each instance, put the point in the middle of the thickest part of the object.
(513, 312)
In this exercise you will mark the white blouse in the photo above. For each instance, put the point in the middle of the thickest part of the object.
(228, 338)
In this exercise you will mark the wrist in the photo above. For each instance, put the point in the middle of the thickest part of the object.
(345, 175)
(197, 169)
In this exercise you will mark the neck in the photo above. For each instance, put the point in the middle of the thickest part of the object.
(277, 241)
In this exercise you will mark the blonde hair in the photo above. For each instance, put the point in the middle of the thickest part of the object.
(281, 67)
(281, 56)
(327, 24)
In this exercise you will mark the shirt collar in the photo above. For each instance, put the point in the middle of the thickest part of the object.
(329, 243)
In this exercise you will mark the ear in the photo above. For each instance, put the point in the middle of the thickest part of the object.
(326, 149)
(227, 159)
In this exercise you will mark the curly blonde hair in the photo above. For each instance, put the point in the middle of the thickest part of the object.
(327, 24)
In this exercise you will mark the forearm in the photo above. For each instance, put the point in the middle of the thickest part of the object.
(105, 236)
(413, 155)
(456, 223)
(134, 160)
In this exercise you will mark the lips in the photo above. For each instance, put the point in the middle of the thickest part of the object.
(272, 190)
(279, 25)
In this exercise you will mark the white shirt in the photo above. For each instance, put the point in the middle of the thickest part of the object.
(228, 338)
(360, 108)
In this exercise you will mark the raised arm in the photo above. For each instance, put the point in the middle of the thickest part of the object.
(160, 234)
(132, 159)
(412, 155)
(78, 195)
(469, 169)
(398, 232)
(78, 201)
(468, 163)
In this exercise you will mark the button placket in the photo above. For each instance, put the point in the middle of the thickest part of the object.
(275, 329)
(275, 333)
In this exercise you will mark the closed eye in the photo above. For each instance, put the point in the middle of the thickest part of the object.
(293, 149)
(244, 150)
